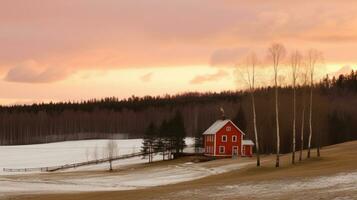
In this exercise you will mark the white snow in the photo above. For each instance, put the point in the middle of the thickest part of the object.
(150, 177)
(277, 188)
(140, 178)
(61, 153)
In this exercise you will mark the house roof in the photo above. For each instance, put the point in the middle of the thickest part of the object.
(217, 125)
(248, 142)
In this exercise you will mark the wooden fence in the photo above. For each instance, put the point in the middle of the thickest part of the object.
(74, 165)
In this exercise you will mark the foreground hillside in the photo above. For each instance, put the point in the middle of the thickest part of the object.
(331, 176)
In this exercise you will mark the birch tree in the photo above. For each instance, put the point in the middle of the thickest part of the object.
(304, 75)
(112, 150)
(276, 53)
(313, 57)
(251, 63)
(295, 61)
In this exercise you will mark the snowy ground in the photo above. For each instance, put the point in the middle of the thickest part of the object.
(53, 154)
(342, 185)
(61, 153)
(147, 177)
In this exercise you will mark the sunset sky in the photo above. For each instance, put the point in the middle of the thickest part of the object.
(80, 49)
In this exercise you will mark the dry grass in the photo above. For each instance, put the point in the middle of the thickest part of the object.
(335, 159)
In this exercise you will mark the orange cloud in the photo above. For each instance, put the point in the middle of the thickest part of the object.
(123, 34)
(146, 77)
(220, 74)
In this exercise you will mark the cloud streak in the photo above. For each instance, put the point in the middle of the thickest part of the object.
(219, 75)
(31, 72)
(146, 77)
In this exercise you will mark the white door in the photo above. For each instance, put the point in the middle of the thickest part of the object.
(234, 151)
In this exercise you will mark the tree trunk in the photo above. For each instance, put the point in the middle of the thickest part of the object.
(318, 147)
(277, 123)
(310, 125)
(255, 130)
(294, 121)
(302, 128)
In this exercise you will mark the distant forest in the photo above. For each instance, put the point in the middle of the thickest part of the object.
(334, 115)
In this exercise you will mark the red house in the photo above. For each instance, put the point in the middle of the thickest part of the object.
(224, 139)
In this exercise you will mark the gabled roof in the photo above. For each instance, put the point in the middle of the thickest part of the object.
(216, 126)
(248, 142)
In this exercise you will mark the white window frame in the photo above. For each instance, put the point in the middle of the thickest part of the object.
(234, 138)
(228, 128)
(224, 149)
(225, 139)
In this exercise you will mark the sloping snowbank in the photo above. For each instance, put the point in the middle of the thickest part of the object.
(146, 177)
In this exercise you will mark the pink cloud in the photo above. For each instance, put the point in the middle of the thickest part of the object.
(32, 72)
(125, 34)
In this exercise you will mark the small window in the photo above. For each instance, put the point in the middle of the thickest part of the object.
(228, 128)
(234, 138)
(224, 138)
(221, 149)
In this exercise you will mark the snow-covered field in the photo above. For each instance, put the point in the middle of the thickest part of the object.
(61, 153)
(43, 155)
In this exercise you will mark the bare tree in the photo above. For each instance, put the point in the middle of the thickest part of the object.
(251, 63)
(304, 82)
(112, 150)
(295, 60)
(313, 57)
(276, 53)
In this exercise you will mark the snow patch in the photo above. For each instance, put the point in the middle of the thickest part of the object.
(270, 189)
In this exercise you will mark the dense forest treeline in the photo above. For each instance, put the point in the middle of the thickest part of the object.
(334, 115)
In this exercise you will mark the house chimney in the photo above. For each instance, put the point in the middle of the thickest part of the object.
(223, 115)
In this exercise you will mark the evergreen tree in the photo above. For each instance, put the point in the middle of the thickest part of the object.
(179, 132)
(149, 141)
(198, 141)
(164, 143)
(240, 120)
